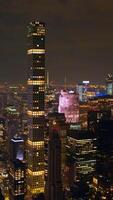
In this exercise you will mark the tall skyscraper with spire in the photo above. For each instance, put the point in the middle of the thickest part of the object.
(36, 120)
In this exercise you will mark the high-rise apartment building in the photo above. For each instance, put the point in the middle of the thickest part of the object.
(36, 120)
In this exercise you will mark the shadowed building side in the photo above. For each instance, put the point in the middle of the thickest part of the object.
(54, 168)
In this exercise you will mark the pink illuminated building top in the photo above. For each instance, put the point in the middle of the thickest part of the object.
(69, 105)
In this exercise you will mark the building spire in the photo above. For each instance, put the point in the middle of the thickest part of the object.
(47, 78)
(65, 82)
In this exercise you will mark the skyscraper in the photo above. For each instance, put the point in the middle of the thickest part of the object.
(36, 92)
(81, 158)
(69, 105)
(103, 177)
(56, 156)
(109, 84)
(17, 186)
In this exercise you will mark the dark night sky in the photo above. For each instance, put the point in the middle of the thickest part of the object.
(79, 38)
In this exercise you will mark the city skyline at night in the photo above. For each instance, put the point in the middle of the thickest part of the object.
(56, 100)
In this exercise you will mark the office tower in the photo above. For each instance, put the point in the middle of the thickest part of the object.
(56, 156)
(36, 113)
(69, 105)
(51, 99)
(17, 180)
(82, 150)
(3, 142)
(17, 149)
(103, 179)
(109, 84)
(102, 102)
(17, 170)
(99, 108)
(87, 91)
(4, 183)
(83, 110)
(82, 144)
(94, 116)
(13, 118)
(82, 91)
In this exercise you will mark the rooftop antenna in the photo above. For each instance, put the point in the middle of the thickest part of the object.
(47, 78)
(65, 82)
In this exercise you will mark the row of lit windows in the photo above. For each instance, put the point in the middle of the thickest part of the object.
(37, 67)
(35, 101)
(19, 174)
(35, 108)
(33, 82)
(39, 77)
(36, 34)
(36, 173)
(36, 51)
(39, 144)
(37, 190)
(18, 192)
(39, 165)
(35, 113)
(35, 126)
(35, 92)
(40, 89)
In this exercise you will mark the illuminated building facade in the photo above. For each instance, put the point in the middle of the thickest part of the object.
(102, 102)
(3, 142)
(36, 113)
(82, 90)
(81, 154)
(83, 109)
(109, 84)
(86, 90)
(103, 178)
(69, 105)
(4, 161)
(17, 180)
(82, 144)
(5, 184)
(13, 120)
(51, 100)
(99, 101)
(17, 170)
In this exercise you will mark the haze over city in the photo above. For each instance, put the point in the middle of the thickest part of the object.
(79, 39)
